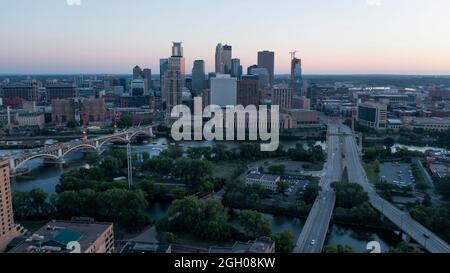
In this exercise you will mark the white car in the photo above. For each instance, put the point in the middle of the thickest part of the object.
(313, 242)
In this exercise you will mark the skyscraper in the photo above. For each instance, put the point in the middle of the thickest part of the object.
(236, 68)
(263, 76)
(163, 65)
(266, 59)
(223, 59)
(177, 49)
(147, 75)
(296, 76)
(8, 230)
(198, 77)
(173, 79)
(137, 73)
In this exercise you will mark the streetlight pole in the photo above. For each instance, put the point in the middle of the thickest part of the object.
(130, 166)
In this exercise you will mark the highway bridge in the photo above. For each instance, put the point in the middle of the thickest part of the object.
(57, 152)
(312, 238)
(356, 173)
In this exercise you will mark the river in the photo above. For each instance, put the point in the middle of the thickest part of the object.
(46, 177)
(357, 238)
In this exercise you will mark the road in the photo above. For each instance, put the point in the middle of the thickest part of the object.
(435, 199)
(403, 220)
(312, 238)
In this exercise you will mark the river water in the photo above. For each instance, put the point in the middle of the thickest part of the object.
(46, 177)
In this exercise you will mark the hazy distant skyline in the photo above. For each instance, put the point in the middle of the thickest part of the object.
(331, 36)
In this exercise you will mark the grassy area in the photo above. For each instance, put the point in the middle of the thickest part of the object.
(225, 169)
(421, 185)
(373, 172)
(316, 167)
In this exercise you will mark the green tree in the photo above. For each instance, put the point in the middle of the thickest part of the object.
(284, 242)
(282, 187)
(336, 249)
(125, 122)
(254, 223)
(311, 192)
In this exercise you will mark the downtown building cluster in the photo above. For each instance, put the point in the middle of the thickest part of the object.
(98, 101)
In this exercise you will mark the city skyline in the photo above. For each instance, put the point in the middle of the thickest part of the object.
(349, 37)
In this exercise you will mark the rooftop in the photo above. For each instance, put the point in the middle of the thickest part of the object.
(55, 236)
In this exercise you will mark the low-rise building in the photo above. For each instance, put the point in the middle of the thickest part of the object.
(269, 182)
(299, 118)
(263, 245)
(145, 248)
(35, 119)
(394, 124)
(91, 237)
(430, 124)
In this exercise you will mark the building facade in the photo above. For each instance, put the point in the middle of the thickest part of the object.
(266, 59)
(223, 90)
(248, 91)
(296, 76)
(198, 77)
(173, 80)
(22, 91)
(282, 96)
(60, 91)
(223, 58)
(236, 68)
(373, 115)
(8, 229)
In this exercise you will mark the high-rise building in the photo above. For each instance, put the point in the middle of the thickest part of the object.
(137, 73)
(173, 79)
(236, 68)
(223, 59)
(223, 90)
(263, 76)
(163, 65)
(248, 91)
(198, 77)
(177, 49)
(147, 75)
(266, 59)
(282, 96)
(296, 76)
(8, 230)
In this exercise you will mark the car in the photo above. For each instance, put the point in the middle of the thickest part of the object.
(313, 242)
(426, 236)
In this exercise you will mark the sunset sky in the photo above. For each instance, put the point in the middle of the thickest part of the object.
(331, 36)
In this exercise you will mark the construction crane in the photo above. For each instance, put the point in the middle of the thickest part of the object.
(293, 54)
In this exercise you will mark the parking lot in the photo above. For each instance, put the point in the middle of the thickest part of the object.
(399, 174)
(296, 187)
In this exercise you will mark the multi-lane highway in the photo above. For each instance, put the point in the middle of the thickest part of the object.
(356, 174)
(314, 232)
